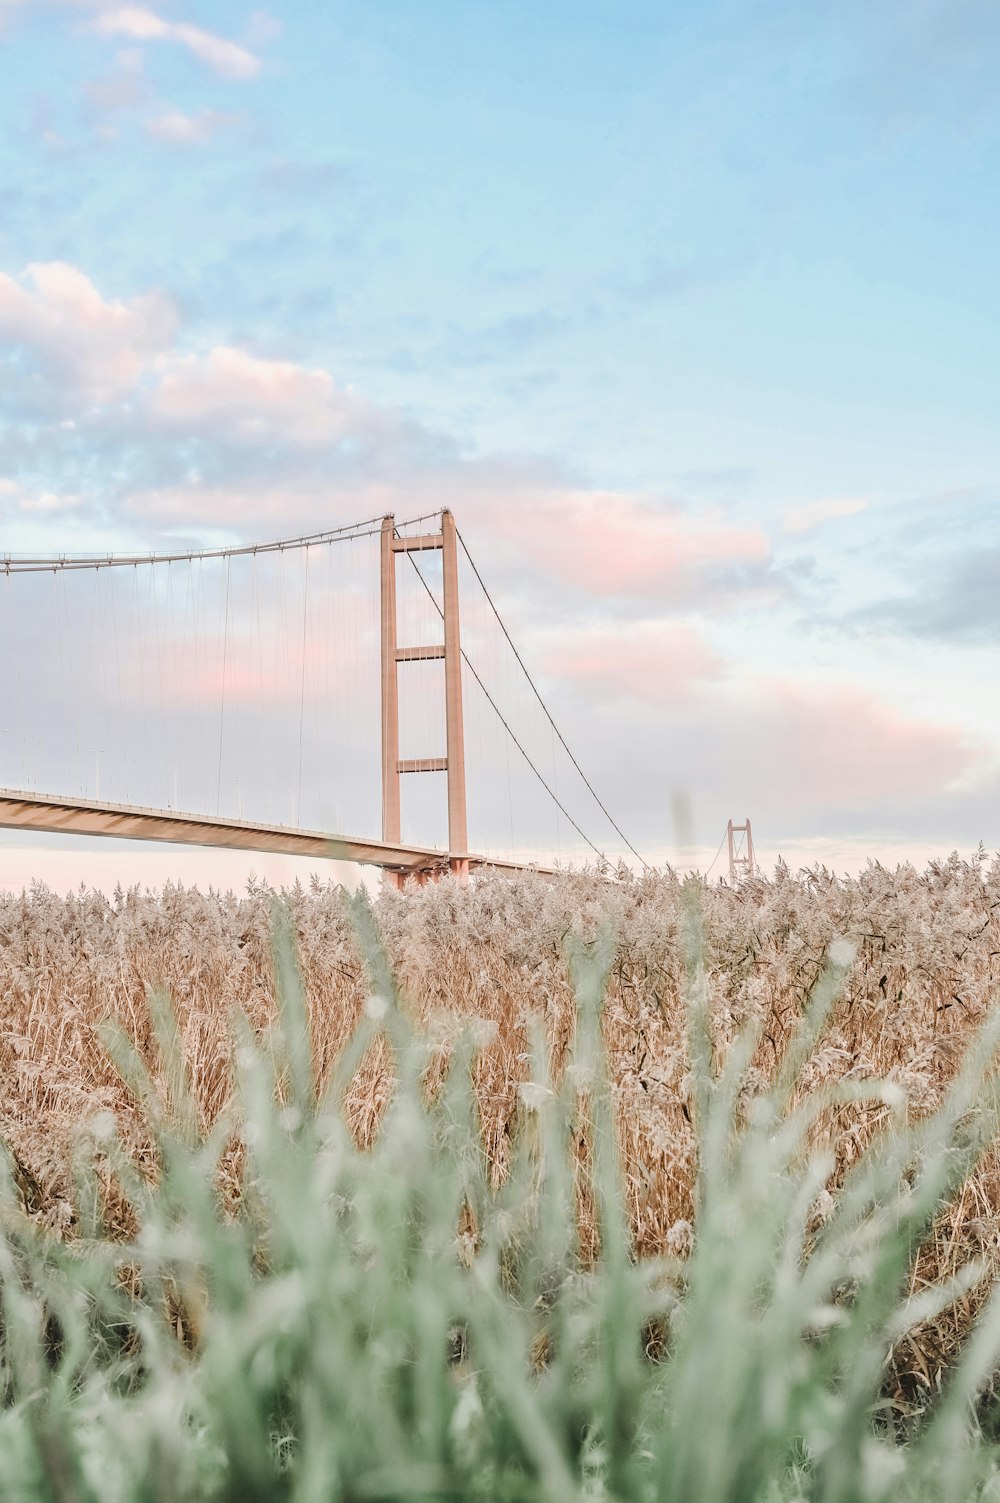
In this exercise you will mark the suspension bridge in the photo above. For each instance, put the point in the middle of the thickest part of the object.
(233, 697)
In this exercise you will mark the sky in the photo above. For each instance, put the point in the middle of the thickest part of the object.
(688, 311)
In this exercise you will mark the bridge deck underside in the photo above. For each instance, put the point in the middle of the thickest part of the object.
(69, 816)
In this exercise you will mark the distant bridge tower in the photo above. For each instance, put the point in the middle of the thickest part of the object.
(453, 763)
(741, 863)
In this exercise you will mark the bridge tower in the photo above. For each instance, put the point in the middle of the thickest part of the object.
(450, 650)
(740, 864)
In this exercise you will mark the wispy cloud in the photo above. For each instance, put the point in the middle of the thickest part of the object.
(811, 514)
(175, 128)
(140, 24)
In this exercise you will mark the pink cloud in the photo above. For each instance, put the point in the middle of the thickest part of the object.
(99, 348)
(844, 746)
(237, 677)
(607, 544)
(244, 398)
(657, 661)
(523, 524)
(611, 544)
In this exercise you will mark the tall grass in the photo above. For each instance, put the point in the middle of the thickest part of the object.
(388, 1319)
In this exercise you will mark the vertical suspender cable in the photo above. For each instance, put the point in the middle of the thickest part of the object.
(280, 661)
(222, 707)
(328, 716)
(118, 669)
(158, 647)
(142, 667)
(17, 688)
(68, 702)
(262, 740)
(237, 739)
(302, 689)
(188, 674)
(92, 688)
(101, 648)
(202, 667)
(176, 646)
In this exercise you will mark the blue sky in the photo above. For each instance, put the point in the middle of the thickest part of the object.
(708, 289)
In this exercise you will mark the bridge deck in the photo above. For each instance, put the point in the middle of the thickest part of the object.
(70, 816)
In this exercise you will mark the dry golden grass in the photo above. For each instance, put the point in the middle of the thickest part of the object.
(495, 952)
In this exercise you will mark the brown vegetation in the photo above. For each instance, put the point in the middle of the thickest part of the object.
(928, 949)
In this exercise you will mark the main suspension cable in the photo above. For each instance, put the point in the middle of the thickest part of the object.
(11, 563)
(718, 853)
(496, 709)
(548, 715)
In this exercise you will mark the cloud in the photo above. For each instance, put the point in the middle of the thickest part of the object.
(276, 434)
(175, 128)
(660, 662)
(812, 514)
(255, 441)
(843, 746)
(238, 510)
(143, 25)
(630, 554)
(241, 398)
(16, 498)
(76, 345)
(800, 760)
(123, 89)
(957, 600)
(617, 545)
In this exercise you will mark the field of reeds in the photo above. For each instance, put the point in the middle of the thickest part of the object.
(781, 1066)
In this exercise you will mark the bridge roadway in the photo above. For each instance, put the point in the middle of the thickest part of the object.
(61, 815)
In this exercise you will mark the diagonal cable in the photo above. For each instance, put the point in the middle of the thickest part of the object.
(534, 689)
(497, 711)
(717, 855)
